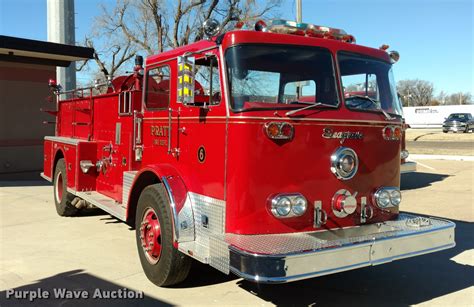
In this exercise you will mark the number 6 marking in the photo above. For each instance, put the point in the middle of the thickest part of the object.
(201, 154)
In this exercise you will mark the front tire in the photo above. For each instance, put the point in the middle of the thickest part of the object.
(62, 198)
(163, 264)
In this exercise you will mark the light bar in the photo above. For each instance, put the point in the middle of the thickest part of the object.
(282, 26)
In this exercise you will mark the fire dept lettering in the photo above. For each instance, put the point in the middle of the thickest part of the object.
(160, 131)
(329, 133)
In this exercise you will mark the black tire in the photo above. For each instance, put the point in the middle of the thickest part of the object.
(62, 198)
(466, 130)
(172, 266)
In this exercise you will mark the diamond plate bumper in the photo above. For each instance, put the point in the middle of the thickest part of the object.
(288, 257)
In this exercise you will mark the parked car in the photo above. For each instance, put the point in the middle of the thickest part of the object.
(458, 122)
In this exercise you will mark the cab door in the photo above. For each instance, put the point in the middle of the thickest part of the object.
(189, 136)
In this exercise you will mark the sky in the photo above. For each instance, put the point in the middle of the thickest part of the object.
(434, 37)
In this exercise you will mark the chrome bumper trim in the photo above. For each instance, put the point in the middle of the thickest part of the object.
(408, 167)
(280, 268)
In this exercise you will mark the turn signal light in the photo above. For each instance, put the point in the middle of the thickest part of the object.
(279, 130)
(392, 133)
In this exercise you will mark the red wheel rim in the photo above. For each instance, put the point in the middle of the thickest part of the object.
(59, 187)
(150, 236)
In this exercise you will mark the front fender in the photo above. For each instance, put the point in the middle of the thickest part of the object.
(180, 204)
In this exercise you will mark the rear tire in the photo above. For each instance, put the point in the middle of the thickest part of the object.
(163, 264)
(62, 198)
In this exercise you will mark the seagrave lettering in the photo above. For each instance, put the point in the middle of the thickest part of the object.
(328, 133)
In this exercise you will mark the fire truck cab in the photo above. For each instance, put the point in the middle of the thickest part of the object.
(251, 151)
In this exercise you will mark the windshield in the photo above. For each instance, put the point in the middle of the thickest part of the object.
(459, 116)
(276, 77)
(368, 84)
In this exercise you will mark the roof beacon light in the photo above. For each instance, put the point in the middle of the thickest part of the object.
(211, 27)
(261, 26)
(394, 56)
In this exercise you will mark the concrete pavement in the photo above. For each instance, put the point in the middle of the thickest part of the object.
(42, 250)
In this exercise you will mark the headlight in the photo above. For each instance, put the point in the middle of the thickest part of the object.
(382, 197)
(299, 205)
(281, 206)
(387, 197)
(344, 163)
(395, 197)
(288, 205)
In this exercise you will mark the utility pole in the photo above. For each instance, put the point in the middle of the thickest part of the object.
(61, 30)
(298, 11)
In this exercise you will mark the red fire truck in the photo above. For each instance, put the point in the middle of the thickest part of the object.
(242, 151)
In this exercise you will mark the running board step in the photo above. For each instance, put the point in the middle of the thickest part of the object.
(105, 203)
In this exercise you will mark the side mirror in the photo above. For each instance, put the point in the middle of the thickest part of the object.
(186, 80)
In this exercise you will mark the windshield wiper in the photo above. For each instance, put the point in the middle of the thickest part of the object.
(375, 103)
(309, 107)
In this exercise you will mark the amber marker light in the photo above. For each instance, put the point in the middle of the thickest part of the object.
(392, 133)
(279, 130)
(397, 133)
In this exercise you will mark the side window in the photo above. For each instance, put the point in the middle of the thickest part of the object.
(303, 91)
(207, 87)
(158, 88)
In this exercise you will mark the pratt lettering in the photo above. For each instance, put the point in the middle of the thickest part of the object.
(159, 130)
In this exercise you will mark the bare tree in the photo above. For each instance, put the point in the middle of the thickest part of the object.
(153, 26)
(441, 98)
(415, 92)
(459, 98)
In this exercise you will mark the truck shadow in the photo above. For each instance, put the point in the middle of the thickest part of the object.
(78, 280)
(202, 275)
(25, 183)
(400, 283)
(416, 180)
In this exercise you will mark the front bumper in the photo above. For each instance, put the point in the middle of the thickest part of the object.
(408, 167)
(282, 258)
(454, 128)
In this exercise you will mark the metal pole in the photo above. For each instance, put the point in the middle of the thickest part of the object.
(61, 29)
(298, 11)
